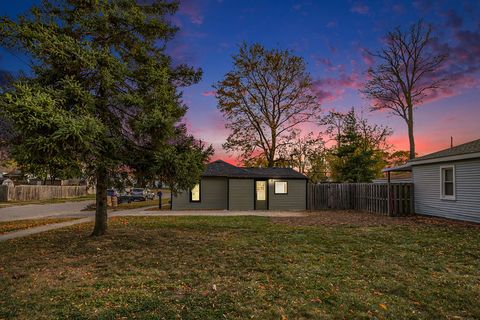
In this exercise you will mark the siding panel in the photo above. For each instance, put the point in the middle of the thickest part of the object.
(213, 196)
(294, 200)
(241, 194)
(467, 184)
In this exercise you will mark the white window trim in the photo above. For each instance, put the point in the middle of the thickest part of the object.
(275, 187)
(442, 177)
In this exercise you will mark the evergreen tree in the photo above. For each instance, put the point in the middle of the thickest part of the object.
(101, 93)
(359, 154)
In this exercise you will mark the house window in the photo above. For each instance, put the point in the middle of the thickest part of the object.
(281, 187)
(195, 193)
(448, 182)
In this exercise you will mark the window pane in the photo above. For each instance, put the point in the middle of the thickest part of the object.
(281, 187)
(449, 188)
(261, 187)
(448, 175)
(196, 193)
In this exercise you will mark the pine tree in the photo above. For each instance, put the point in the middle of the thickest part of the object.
(101, 92)
(358, 156)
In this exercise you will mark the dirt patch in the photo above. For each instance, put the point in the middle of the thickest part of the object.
(361, 219)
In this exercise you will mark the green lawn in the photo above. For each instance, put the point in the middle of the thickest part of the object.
(242, 268)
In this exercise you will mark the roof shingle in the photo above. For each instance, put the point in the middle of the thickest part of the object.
(221, 168)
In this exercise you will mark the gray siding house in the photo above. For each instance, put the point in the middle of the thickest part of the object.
(226, 187)
(447, 182)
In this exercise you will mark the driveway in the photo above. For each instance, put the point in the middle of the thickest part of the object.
(36, 211)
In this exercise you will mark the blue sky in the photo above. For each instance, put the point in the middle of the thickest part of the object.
(332, 37)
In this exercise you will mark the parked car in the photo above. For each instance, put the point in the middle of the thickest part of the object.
(121, 197)
(138, 194)
(124, 198)
(112, 193)
(150, 194)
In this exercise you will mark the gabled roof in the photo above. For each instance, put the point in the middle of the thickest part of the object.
(276, 173)
(221, 168)
(466, 150)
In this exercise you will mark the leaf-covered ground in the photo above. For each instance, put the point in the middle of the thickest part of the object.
(242, 268)
(9, 226)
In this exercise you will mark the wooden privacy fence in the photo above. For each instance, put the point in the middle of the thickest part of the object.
(391, 199)
(35, 192)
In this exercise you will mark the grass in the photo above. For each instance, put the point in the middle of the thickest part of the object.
(10, 226)
(140, 204)
(47, 201)
(242, 268)
(133, 205)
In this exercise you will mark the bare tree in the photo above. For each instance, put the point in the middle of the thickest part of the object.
(408, 72)
(301, 149)
(264, 98)
(373, 134)
(333, 121)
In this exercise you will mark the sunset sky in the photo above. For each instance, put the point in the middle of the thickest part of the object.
(332, 37)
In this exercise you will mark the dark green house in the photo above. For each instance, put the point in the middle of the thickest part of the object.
(226, 187)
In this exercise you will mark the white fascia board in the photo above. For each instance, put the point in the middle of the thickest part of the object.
(446, 159)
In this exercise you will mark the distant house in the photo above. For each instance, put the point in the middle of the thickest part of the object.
(447, 182)
(227, 187)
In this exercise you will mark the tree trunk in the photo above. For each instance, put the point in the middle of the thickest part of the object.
(101, 203)
(271, 151)
(411, 138)
(270, 161)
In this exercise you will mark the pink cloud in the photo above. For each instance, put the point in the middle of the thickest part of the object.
(297, 6)
(211, 93)
(332, 24)
(325, 96)
(181, 52)
(453, 19)
(191, 9)
(333, 88)
(328, 65)
(458, 84)
(351, 81)
(366, 57)
(398, 8)
(360, 8)
(462, 67)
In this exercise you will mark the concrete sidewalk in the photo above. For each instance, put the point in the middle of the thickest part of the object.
(141, 212)
(36, 211)
(35, 230)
